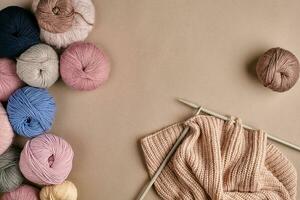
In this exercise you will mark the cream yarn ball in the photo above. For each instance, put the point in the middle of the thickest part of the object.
(38, 66)
(65, 191)
(63, 22)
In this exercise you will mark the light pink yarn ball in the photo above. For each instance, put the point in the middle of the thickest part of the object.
(83, 66)
(46, 160)
(6, 131)
(24, 192)
(9, 81)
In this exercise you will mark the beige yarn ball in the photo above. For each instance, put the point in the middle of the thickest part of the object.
(65, 191)
(63, 22)
(38, 66)
(278, 69)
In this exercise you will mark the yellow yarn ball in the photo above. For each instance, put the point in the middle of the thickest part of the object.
(65, 191)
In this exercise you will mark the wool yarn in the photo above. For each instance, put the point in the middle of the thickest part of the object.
(10, 174)
(46, 160)
(24, 192)
(63, 22)
(278, 69)
(83, 66)
(31, 111)
(217, 160)
(55, 16)
(38, 66)
(65, 191)
(6, 131)
(9, 81)
(18, 31)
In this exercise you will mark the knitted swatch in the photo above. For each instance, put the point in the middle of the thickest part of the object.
(219, 160)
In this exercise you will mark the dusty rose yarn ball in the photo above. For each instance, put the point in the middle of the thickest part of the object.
(278, 69)
(6, 131)
(46, 160)
(83, 66)
(9, 80)
(63, 22)
(24, 192)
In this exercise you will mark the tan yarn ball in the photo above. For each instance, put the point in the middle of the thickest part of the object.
(278, 69)
(65, 191)
(55, 16)
(63, 22)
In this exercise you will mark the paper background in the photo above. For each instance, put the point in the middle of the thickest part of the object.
(203, 50)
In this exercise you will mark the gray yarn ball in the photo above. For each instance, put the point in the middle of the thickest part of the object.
(10, 174)
(38, 66)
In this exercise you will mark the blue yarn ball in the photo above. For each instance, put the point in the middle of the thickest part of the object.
(31, 111)
(19, 30)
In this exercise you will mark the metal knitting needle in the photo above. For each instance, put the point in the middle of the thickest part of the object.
(182, 135)
(209, 112)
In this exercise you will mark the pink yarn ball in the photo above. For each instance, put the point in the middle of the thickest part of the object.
(9, 81)
(24, 192)
(46, 160)
(83, 66)
(6, 131)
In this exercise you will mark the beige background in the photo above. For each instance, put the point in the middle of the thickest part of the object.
(201, 50)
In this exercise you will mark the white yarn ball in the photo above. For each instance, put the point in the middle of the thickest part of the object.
(38, 66)
(84, 19)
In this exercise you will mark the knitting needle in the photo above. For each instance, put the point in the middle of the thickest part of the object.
(209, 112)
(182, 135)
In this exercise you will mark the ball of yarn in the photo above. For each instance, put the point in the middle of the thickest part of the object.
(83, 66)
(10, 174)
(46, 160)
(38, 66)
(63, 22)
(6, 131)
(55, 16)
(9, 81)
(18, 31)
(31, 111)
(65, 191)
(278, 69)
(24, 192)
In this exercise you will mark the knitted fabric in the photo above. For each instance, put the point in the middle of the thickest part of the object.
(219, 160)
